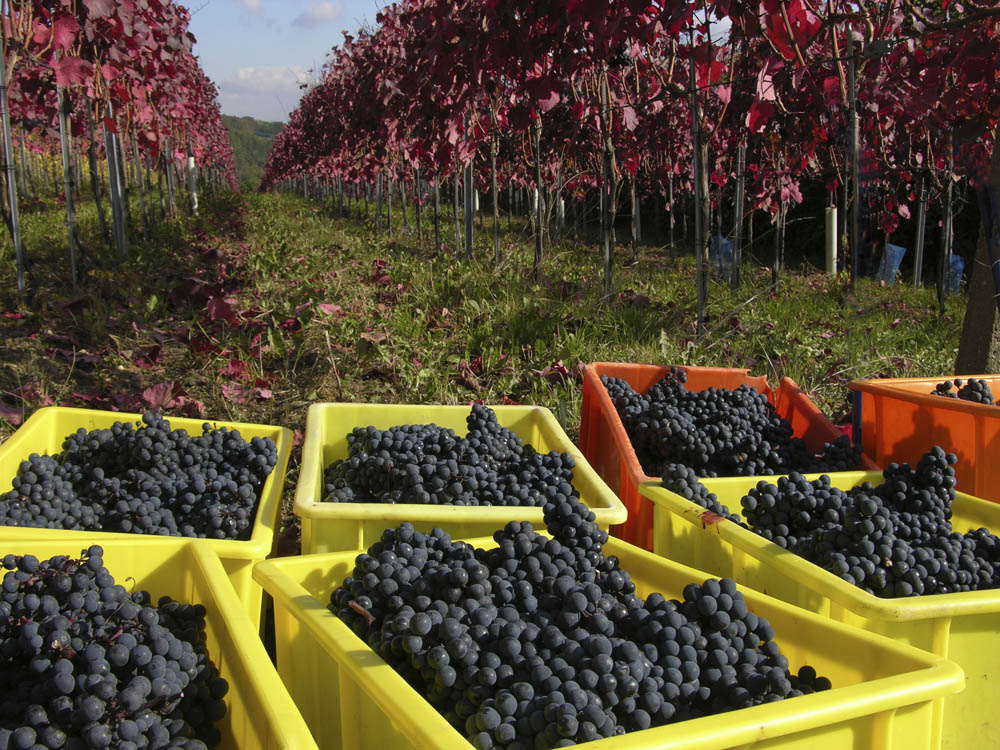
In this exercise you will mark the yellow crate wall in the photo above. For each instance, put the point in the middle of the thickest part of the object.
(962, 627)
(332, 527)
(260, 714)
(44, 433)
(884, 696)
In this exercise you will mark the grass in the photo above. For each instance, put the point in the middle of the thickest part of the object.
(267, 303)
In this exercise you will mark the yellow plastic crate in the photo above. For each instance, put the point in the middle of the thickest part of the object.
(260, 713)
(962, 627)
(44, 433)
(333, 527)
(883, 697)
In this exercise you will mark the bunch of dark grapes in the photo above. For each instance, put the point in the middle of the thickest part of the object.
(144, 480)
(542, 642)
(683, 481)
(717, 432)
(892, 540)
(427, 464)
(975, 390)
(85, 664)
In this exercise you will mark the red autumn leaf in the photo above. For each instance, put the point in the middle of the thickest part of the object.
(64, 31)
(330, 309)
(220, 310)
(99, 8)
(148, 357)
(72, 71)
(236, 368)
(160, 396)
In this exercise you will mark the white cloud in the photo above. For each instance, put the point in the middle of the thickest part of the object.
(261, 92)
(253, 5)
(318, 14)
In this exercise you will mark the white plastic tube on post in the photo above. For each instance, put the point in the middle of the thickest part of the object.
(831, 239)
(192, 181)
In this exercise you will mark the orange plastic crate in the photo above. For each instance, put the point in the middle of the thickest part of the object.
(607, 447)
(900, 420)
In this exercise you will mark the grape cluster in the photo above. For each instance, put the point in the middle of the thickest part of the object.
(144, 480)
(428, 464)
(975, 390)
(892, 540)
(542, 642)
(85, 664)
(717, 432)
(683, 481)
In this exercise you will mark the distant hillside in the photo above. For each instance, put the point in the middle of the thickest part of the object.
(251, 141)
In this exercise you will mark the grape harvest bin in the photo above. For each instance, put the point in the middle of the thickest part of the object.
(44, 433)
(962, 627)
(899, 420)
(883, 696)
(332, 527)
(606, 445)
(259, 711)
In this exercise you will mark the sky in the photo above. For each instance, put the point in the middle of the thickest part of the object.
(258, 52)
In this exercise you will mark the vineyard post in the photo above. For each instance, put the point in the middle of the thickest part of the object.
(855, 186)
(159, 176)
(607, 188)
(65, 133)
(168, 158)
(458, 234)
(944, 260)
(538, 197)
(114, 182)
(494, 195)
(635, 220)
(192, 181)
(388, 204)
(510, 207)
(22, 182)
(123, 179)
(437, 215)
(469, 205)
(417, 198)
(698, 168)
(918, 252)
(402, 198)
(378, 203)
(15, 223)
(25, 176)
(670, 208)
(741, 156)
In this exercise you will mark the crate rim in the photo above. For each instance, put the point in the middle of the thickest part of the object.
(257, 546)
(886, 388)
(388, 688)
(306, 506)
(630, 459)
(815, 578)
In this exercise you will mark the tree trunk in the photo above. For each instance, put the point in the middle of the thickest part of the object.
(979, 346)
